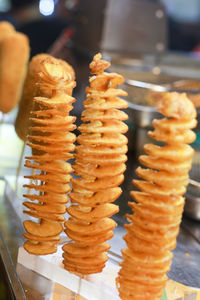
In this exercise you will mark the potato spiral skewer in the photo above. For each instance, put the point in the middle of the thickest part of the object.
(100, 163)
(155, 223)
(50, 135)
(32, 89)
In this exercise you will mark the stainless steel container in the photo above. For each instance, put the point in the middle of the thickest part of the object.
(192, 205)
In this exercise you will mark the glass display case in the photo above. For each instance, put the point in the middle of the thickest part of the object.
(27, 276)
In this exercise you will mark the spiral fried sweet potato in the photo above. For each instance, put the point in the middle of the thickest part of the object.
(155, 223)
(50, 183)
(100, 164)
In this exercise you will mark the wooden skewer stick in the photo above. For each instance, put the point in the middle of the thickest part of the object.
(1, 120)
(19, 167)
(31, 181)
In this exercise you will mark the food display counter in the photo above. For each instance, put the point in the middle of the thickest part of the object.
(22, 281)
(105, 80)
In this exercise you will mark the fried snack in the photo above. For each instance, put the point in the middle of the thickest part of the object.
(31, 90)
(15, 53)
(151, 234)
(152, 98)
(50, 183)
(100, 164)
(5, 29)
(190, 84)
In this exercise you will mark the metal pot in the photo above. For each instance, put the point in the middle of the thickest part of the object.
(192, 206)
(139, 122)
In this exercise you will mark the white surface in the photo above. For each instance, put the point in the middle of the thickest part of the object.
(93, 287)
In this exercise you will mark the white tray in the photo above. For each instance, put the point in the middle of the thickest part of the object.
(93, 287)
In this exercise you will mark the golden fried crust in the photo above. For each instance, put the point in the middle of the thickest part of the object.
(158, 207)
(31, 89)
(87, 250)
(47, 207)
(98, 227)
(176, 106)
(40, 248)
(36, 238)
(5, 29)
(45, 228)
(52, 198)
(48, 186)
(154, 97)
(99, 212)
(100, 197)
(97, 260)
(13, 68)
(100, 164)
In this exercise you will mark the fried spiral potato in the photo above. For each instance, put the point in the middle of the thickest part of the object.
(154, 226)
(99, 164)
(32, 89)
(50, 183)
(153, 97)
(15, 52)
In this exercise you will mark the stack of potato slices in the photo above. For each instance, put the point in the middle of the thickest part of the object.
(50, 135)
(100, 164)
(33, 89)
(155, 223)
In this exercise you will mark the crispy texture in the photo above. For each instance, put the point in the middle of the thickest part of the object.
(100, 164)
(154, 226)
(36, 238)
(32, 89)
(15, 53)
(50, 183)
(40, 248)
(154, 97)
(85, 250)
(43, 228)
(5, 29)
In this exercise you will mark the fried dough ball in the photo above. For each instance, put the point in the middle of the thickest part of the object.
(50, 184)
(99, 163)
(158, 207)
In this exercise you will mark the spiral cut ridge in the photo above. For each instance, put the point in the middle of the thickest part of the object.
(151, 233)
(50, 136)
(99, 163)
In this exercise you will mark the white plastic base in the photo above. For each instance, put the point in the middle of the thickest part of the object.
(93, 287)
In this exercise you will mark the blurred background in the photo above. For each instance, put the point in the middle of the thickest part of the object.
(44, 20)
(157, 35)
(145, 40)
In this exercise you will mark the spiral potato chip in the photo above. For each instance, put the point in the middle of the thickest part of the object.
(40, 248)
(80, 251)
(50, 183)
(100, 164)
(44, 229)
(154, 226)
(32, 89)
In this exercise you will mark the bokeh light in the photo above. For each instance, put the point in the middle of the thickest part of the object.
(46, 7)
